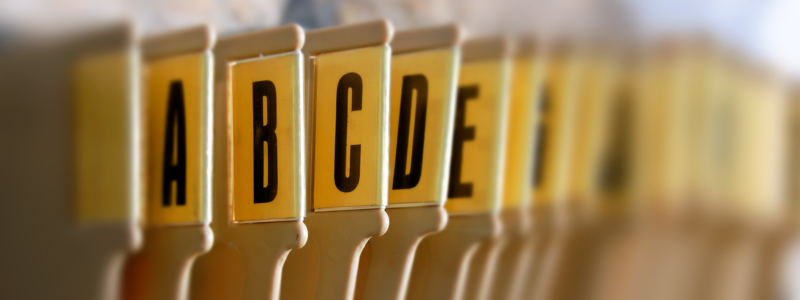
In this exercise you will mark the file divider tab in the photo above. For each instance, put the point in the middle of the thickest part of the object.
(177, 163)
(254, 231)
(596, 91)
(552, 161)
(441, 264)
(424, 76)
(105, 170)
(348, 110)
(177, 110)
(512, 249)
(70, 177)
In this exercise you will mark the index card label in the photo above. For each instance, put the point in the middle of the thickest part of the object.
(614, 155)
(267, 127)
(351, 116)
(555, 121)
(421, 123)
(104, 112)
(522, 121)
(177, 102)
(476, 174)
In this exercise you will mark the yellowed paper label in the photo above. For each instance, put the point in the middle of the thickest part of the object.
(267, 129)
(423, 94)
(476, 171)
(597, 95)
(351, 109)
(556, 115)
(522, 121)
(106, 137)
(178, 152)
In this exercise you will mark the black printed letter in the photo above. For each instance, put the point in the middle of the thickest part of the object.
(174, 170)
(401, 179)
(343, 182)
(461, 134)
(264, 133)
(541, 137)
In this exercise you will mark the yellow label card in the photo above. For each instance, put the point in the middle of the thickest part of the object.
(792, 131)
(755, 187)
(178, 153)
(661, 116)
(351, 108)
(556, 114)
(615, 143)
(525, 86)
(268, 138)
(106, 137)
(476, 170)
(422, 105)
(592, 109)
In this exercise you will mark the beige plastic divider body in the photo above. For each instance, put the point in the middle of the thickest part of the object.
(176, 109)
(792, 201)
(552, 162)
(610, 206)
(595, 110)
(655, 110)
(496, 267)
(754, 181)
(705, 94)
(661, 110)
(258, 123)
(779, 245)
(70, 178)
(662, 180)
(348, 112)
(424, 72)
(699, 224)
(710, 131)
(441, 266)
(676, 97)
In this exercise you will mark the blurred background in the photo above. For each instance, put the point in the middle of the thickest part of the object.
(764, 28)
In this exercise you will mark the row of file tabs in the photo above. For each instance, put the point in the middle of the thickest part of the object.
(340, 163)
